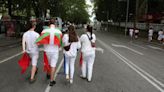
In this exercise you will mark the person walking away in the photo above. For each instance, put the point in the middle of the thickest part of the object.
(71, 41)
(131, 31)
(136, 33)
(160, 34)
(163, 39)
(88, 51)
(150, 34)
(29, 46)
(51, 39)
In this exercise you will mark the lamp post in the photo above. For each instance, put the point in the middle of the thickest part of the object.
(107, 18)
(127, 12)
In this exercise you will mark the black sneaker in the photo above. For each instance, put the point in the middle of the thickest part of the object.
(52, 83)
(48, 76)
(31, 81)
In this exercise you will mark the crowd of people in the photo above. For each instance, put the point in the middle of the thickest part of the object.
(133, 33)
(52, 40)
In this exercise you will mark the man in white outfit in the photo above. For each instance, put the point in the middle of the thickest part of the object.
(29, 46)
(51, 47)
(150, 35)
(88, 52)
(131, 31)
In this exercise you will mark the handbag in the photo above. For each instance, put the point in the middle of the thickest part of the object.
(66, 48)
(92, 43)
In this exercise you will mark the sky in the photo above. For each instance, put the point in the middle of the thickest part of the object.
(90, 9)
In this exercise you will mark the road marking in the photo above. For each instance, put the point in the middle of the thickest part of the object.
(100, 49)
(153, 47)
(138, 46)
(157, 84)
(122, 46)
(11, 57)
(48, 88)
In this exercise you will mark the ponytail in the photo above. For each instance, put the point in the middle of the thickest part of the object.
(91, 32)
(89, 29)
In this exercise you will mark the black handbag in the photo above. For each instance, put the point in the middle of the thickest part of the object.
(66, 48)
(92, 43)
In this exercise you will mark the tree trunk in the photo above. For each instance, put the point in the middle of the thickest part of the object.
(9, 7)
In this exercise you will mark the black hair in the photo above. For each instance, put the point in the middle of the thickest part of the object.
(30, 25)
(72, 34)
(89, 29)
(52, 21)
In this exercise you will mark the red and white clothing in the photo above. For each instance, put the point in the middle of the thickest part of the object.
(31, 47)
(88, 53)
(51, 47)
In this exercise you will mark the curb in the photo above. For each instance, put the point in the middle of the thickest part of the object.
(8, 44)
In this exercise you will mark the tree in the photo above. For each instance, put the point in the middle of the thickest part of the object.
(117, 8)
(72, 10)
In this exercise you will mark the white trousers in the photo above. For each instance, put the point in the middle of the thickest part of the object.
(150, 38)
(52, 58)
(34, 58)
(87, 66)
(70, 66)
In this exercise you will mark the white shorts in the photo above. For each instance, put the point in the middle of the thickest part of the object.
(34, 58)
(52, 58)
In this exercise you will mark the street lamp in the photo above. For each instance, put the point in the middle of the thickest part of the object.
(127, 12)
(107, 16)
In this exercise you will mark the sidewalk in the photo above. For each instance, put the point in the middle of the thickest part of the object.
(141, 38)
(7, 41)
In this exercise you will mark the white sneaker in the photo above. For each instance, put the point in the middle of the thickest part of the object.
(81, 76)
(89, 80)
(67, 77)
(71, 81)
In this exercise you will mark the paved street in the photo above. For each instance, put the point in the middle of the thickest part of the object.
(125, 66)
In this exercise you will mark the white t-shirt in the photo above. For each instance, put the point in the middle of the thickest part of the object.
(86, 48)
(150, 32)
(30, 38)
(73, 47)
(136, 31)
(160, 32)
(51, 47)
(131, 32)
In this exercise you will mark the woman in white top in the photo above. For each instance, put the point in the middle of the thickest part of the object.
(150, 35)
(88, 51)
(71, 41)
(131, 32)
(29, 46)
(160, 34)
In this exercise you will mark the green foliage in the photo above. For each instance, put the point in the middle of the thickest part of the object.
(72, 10)
(116, 9)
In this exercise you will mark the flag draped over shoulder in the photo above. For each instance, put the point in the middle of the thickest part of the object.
(24, 62)
(45, 39)
(46, 64)
(58, 39)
